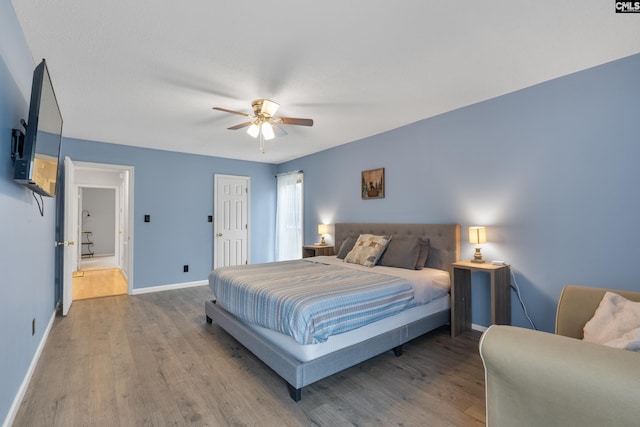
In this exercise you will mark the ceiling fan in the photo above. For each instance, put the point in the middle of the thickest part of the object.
(262, 124)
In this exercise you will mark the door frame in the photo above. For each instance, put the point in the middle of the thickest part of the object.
(247, 179)
(125, 202)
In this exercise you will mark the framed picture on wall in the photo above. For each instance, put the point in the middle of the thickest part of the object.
(372, 186)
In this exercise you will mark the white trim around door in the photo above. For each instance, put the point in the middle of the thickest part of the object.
(103, 175)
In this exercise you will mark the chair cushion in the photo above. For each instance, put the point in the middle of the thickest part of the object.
(616, 323)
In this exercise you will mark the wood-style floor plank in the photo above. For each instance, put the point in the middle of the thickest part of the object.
(152, 360)
(98, 283)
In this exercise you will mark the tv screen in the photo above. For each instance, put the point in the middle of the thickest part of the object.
(37, 160)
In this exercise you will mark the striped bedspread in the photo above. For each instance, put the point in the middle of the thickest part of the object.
(308, 300)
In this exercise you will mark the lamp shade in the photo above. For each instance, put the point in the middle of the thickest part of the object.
(323, 229)
(253, 130)
(477, 235)
(267, 131)
(269, 107)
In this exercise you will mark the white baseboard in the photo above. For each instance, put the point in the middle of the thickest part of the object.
(168, 287)
(13, 411)
(478, 327)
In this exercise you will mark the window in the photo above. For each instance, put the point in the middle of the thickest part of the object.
(289, 207)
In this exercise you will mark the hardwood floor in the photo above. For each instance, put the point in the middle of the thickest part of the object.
(98, 283)
(151, 360)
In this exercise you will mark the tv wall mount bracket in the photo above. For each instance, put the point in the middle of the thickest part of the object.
(17, 141)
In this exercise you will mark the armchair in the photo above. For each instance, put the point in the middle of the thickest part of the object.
(534, 378)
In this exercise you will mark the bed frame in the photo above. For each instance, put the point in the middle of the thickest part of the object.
(445, 249)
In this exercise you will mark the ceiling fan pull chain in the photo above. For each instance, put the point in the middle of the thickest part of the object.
(261, 143)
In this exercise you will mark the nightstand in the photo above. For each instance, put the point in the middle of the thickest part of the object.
(461, 294)
(316, 250)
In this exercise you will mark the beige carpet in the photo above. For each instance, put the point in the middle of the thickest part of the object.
(98, 283)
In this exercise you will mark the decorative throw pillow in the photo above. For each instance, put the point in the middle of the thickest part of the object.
(367, 249)
(423, 256)
(345, 247)
(616, 323)
(401, 252)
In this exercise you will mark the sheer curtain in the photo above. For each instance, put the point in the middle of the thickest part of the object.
(289, 215)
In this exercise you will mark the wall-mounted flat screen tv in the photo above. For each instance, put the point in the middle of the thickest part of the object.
(36, 163)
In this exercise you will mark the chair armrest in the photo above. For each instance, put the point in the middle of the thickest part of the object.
(535, 378)
(577, 306)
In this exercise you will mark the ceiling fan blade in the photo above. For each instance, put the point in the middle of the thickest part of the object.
(232, 112)
(294, 121)
(240, 126)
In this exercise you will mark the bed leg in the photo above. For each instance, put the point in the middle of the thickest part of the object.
(295, 393)
(209, 319)
(398, 350)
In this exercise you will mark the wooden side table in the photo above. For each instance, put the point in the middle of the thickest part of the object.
(317, 250)
(461, 294)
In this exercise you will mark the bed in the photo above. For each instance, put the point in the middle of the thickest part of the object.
(306, 359)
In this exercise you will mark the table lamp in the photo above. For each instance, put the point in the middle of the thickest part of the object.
(477, 235)
(322, 230)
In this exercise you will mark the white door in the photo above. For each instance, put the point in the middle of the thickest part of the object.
(231, 223)
(69, 253)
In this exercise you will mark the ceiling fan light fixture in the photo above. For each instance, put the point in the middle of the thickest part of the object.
(265, 107)
(262, 124)
(267, 131)
(253, 130)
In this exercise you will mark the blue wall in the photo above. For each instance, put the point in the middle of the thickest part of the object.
(551, 170)
(176, 189)
(27, 268)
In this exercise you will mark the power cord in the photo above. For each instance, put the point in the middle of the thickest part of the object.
(39, 202)
(516, 288)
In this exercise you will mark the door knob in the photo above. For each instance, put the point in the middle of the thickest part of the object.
(219, 234)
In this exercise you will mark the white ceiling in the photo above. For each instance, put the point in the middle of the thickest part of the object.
(147, 72)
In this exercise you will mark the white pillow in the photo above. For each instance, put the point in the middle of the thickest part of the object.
(367, 250)
(616, 323)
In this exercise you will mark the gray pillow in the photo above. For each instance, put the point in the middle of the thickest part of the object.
(345, 247)
(425, 247)
(401, 252)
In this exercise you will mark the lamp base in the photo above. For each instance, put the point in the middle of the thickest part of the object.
(323, 242)
(477, 257)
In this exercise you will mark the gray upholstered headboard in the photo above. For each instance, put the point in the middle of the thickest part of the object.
(444, 238)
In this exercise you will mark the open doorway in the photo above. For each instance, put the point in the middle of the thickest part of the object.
(98, 231)
(99, 273)
(102, 210)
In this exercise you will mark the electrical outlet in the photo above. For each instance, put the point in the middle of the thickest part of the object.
(210, 218)
(185, 268)
(33, 327)
(147, 218)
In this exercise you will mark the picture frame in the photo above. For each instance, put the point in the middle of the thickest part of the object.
(372, 184)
